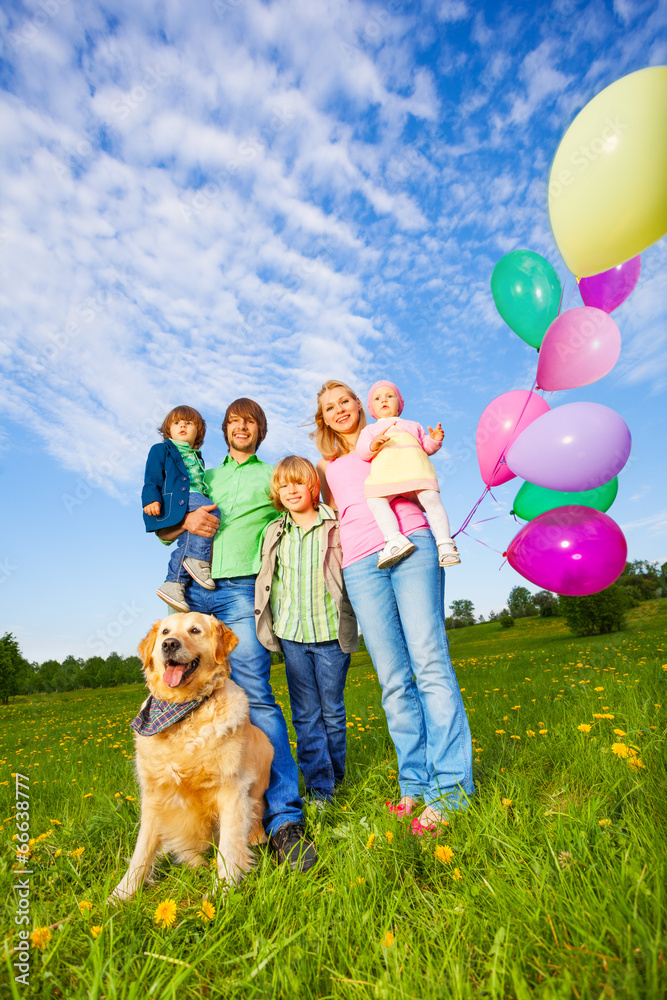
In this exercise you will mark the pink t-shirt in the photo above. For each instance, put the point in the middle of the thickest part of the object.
(359, 534)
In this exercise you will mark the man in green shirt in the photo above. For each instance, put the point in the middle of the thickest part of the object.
(239, 487)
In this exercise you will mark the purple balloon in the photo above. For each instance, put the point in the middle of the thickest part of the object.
(578, 446)
(608, 290)
(570, 550)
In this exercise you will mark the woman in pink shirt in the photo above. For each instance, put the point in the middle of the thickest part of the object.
(400, 610)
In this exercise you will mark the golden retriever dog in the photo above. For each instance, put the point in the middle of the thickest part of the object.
(203, 776)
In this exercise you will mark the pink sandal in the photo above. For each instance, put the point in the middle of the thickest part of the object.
(418, 830)
(400, 809)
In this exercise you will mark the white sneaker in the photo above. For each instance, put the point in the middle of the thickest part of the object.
(173, 594)
(448, 554)
(199, 571)
(396, 548)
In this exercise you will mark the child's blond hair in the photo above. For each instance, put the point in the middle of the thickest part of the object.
(294, 469)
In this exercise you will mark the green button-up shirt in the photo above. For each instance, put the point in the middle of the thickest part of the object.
(241, 491)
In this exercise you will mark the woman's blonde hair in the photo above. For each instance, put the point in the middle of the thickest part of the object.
(330, 443)
(294, 470)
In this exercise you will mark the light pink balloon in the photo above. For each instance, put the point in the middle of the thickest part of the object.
(500, 424)
(581, 346)
(570, 550)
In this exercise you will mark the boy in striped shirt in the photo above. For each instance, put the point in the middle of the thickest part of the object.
(302, 607)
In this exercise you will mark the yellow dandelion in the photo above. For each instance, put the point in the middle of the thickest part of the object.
(506, 803)
(635, 763)
(370, 842)
(604, 823)
(543, 732)
(85, 907)
(457, 875)
(206, 911)
(58, 852)
(165, 913)
(584, 728)
(598, 689)
(515, 737)
(78, 852)
(620, 749)
(40, 937)
(88, 796)
(602, 715)
(388, 940)
(389, 835)
(96, 930)
(530, 732)
(620, 732)
(500, 732)
(443, 853)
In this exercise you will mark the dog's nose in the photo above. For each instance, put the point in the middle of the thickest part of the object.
(170, 645)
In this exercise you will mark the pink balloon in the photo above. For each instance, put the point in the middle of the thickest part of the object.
(570, 550)
(578, 446)
(500, 424)
(608, 290)
(581, 346)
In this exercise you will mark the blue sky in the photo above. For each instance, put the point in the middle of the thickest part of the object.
(246, 198)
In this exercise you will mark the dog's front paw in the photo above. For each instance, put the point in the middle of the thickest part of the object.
(119, 895)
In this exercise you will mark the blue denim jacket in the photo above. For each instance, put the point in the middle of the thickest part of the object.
(166, 479)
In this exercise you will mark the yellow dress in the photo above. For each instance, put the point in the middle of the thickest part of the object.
(401, 466)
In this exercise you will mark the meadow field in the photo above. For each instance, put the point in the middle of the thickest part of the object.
(551, 885)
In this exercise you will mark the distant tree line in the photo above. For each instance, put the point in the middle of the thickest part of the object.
(18, 676)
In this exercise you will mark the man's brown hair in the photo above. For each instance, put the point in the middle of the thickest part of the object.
(250, 410)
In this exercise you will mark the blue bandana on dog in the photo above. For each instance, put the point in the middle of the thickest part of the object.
(156, 715)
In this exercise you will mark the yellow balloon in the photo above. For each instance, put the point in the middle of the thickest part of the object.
(608, 180)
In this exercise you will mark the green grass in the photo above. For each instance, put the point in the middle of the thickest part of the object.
(561, 855)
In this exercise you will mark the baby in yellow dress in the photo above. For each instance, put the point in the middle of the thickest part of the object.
(398, 451)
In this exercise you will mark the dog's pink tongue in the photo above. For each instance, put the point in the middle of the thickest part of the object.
(173, 675)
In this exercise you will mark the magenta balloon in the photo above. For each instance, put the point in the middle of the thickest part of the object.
(581, 346)
(578, 446)
(608, 290)
(501, 423)
(570, 550)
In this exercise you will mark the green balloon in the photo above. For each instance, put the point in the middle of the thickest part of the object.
(527, 293)
(532, 500)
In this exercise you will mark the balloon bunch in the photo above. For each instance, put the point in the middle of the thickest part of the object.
(570, 456)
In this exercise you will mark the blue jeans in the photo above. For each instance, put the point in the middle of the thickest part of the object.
(316, 673)
(233, 601)
(189, 544)
(401, 614)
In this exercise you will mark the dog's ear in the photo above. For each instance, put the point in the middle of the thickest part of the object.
(224, 640)
(146, 645)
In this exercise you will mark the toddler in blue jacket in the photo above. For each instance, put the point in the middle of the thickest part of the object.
(173, 485)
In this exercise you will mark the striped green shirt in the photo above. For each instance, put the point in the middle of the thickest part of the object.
(301, 605)
(194, 466)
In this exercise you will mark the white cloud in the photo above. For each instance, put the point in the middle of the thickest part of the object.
(451, 11)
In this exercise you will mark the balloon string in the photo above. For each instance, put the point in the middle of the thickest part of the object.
(470, 516)
(480, 542)
(485, 519)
